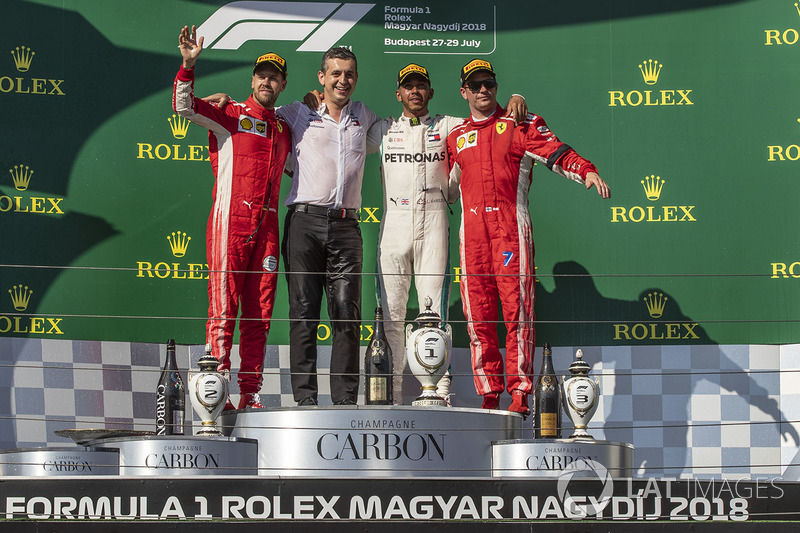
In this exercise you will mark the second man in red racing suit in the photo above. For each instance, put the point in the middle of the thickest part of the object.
(493, 160)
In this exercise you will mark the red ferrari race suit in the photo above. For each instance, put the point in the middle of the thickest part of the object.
(248, 146)
(493, 160)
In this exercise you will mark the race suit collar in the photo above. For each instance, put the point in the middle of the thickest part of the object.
(480, 123)
(425, 119)
(257, 109)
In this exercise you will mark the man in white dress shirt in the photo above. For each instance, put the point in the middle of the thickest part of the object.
(322, 245)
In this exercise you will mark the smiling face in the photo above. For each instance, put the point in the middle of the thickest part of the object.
(338, 80)
(267, 84)
(483, 101)
(414, 93)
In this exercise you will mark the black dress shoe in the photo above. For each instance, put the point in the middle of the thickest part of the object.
(309, 400)
(346, 401)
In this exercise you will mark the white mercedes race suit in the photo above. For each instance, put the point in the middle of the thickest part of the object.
(414, 234)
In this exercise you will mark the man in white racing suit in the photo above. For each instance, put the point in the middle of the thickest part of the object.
(414, 232)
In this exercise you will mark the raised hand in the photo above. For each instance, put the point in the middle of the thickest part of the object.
(189, 46)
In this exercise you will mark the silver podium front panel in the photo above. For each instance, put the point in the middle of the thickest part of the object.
(553, 457)
(396, 441)
(59, 462)
(180, 455)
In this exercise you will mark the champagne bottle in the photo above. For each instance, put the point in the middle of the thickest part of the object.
(547, 399)
(378, 365)
(170, 396)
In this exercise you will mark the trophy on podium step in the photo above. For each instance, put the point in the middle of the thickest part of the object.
(581, 396)
(428, 353)
(208, 390)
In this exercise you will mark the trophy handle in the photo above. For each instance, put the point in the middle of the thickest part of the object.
(409, 328)
(449, 330)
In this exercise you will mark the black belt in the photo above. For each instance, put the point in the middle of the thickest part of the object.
(325, 211)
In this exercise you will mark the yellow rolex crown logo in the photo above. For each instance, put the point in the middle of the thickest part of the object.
(178, 243)
(650, 70)
(21, 175)
(179, 126)
(22, 58)
(20, 296)
(797, 7)
(655, 302)
(652, 187)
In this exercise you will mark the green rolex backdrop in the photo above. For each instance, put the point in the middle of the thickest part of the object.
(688, 109)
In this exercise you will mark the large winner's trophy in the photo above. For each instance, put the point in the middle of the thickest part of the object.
(428, 353)
(208, 390)
(581, 396)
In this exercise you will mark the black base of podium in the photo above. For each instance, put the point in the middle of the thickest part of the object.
(338, 504)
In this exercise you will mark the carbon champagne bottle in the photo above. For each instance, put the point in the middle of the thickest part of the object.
(170, 396)
(547, 400)
(378, 365)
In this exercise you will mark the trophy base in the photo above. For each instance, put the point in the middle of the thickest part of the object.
(208, 431)
(429, 401)
(581, 436)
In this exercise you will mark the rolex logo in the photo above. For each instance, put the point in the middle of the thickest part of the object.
(655, 330)
(789, 36)
(22, 58)
(20, 296)
(39, 325)
(179, 126)
(21, 176)
(650, 70)
(23, 85)
(178, 243)
(781, 152)
(655, 302)
(652, 187)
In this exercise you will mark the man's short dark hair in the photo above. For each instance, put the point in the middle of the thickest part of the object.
(337, 53)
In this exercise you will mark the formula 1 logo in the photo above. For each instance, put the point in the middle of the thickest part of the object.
(318, 24)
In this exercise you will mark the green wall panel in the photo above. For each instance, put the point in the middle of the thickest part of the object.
(717, 133)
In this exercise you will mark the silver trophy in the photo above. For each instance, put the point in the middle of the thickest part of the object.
(428, 353)
(581, 394)
(208, 390)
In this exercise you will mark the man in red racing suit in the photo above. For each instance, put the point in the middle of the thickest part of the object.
(248, 147)
(493, 160)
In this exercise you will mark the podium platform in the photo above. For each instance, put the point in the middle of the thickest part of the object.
(334, 441)
(356, 465)
(373, 440)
